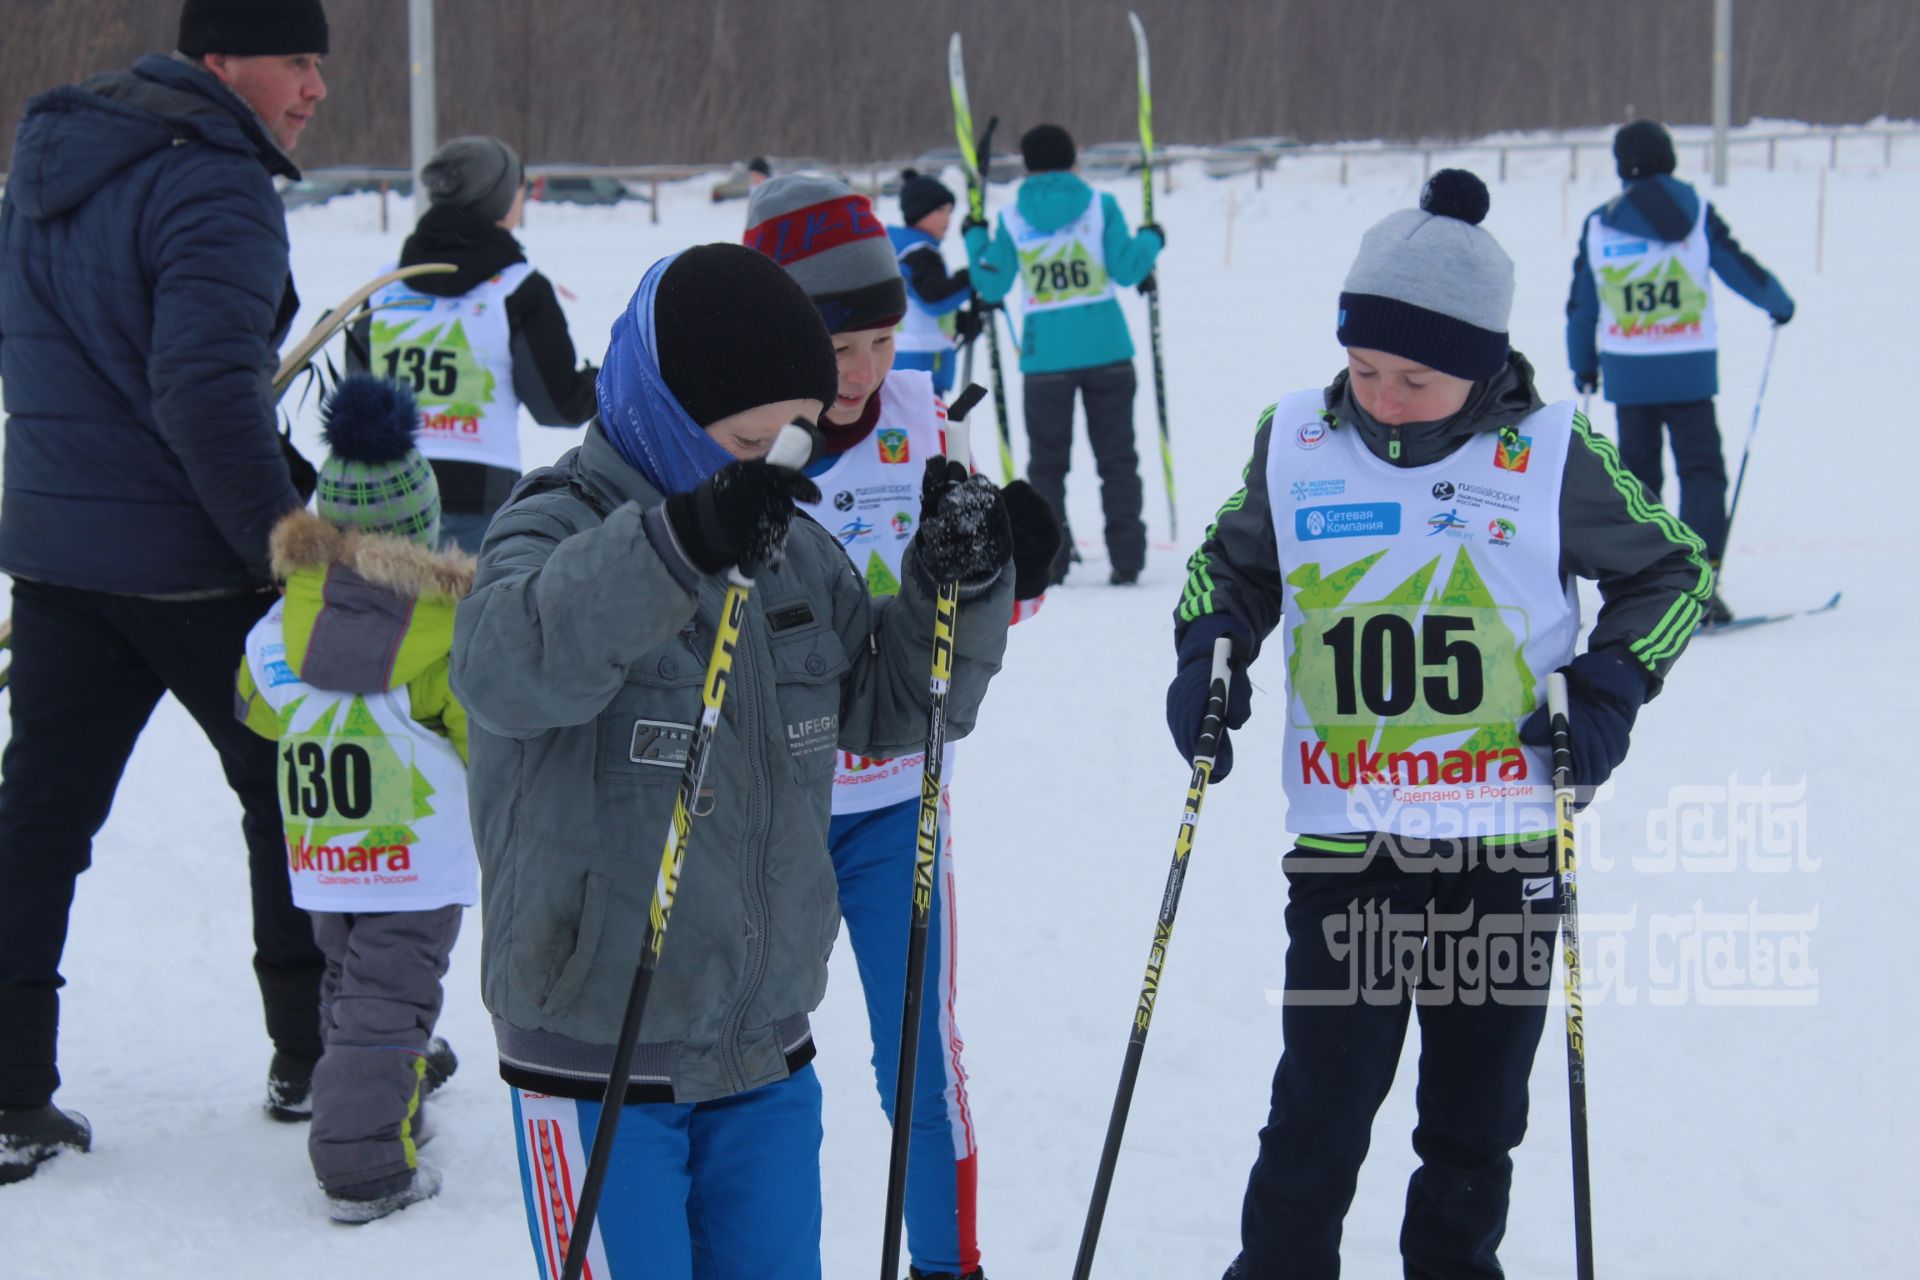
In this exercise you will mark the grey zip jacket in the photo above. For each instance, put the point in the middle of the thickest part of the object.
(580, 656)
(1651, 569)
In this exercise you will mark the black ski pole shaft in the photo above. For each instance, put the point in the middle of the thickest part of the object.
(1563, 870)
(1746, 450)
(790, 449)
(925, 866)
(1203, 758)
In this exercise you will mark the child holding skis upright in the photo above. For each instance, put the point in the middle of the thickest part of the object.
(882, 420)
(348, 673)
(582, 655)
(1068, 247)
(934, 322)
(1412, 531)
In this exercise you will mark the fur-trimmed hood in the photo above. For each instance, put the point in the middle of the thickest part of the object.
(364, 612)
(302, 540)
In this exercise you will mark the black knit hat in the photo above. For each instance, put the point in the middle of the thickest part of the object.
(247, 28)
(921, 195)
(735, 331)
(1642, 149)
(1047, 147)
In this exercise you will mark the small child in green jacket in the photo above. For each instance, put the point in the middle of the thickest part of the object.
(348, 672)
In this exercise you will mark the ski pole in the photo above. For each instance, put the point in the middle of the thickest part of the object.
(1203, 757)
(1746, 450)
(1563, 871)
(790, 449)
(1153, 294)
(925, 863)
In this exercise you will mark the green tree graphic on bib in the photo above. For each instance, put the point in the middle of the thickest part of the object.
(349, 779)
(1063, 275)
(1643, 298)
(1420, 662)
(448, 380)
(880, 579)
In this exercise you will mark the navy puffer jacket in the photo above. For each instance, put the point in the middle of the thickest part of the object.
(144, 292)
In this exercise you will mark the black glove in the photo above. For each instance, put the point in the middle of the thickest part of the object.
(1781, 317)
(1187, 695)
(967, 322)
(299, 470)
(969, 222)
(1587, 383)
(738, 515)
(965, 533)
(1149, 285)
(1604, 693)
(1036, 539)
(1158, 230)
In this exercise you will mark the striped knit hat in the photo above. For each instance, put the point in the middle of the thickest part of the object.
(374, 480)
(829, 240)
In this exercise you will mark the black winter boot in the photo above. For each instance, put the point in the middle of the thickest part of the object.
(441, 1064)
(31, 1136)
(915, 1273)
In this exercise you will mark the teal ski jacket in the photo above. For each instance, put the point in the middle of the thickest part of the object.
(1076, 337)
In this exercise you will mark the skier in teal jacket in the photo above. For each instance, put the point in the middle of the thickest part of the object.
(1070, 249)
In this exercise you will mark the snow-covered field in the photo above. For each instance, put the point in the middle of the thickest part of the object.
(1749, 1000)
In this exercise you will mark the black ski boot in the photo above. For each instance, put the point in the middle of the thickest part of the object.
(291, 1000)
(30, 1136)
(1715, 612)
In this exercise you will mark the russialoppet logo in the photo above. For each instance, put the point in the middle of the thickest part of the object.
(843, 501)
(1513, 452)
(893, 444)
(1311, 434)
(1442, 490)
(1500, 531)
(1363, 520)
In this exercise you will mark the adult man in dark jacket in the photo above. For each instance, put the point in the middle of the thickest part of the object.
(144, 292)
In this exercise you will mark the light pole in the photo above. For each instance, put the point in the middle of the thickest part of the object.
(420, 94)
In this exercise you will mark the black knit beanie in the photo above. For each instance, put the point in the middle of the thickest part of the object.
(1047, 147)
(248, 28)
(920, 195)
(1642, 149)
(735, 331)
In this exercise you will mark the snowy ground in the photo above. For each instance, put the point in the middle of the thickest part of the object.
(1749, 1040)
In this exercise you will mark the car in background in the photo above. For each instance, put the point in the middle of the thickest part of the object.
(735, 184)
(580, 188)
(317, 186)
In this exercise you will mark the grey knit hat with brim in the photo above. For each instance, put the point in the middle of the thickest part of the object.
(1431, 286)
(831, 242)
(478, 173)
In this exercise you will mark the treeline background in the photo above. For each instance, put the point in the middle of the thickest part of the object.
(644, 81)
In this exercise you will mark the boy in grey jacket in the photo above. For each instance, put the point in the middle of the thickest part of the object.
(580, 656)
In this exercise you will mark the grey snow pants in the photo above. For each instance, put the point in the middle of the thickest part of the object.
(379, 1000)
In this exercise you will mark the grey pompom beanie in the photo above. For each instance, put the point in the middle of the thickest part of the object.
(1429, 285)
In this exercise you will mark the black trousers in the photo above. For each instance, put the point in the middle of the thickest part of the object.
(1462, 936)
(1697, 461)
(88, 668)
(1106, 392)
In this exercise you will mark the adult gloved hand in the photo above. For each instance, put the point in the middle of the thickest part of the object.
(965, 534)
(738, 515)
(1587, 383)
(1187, 695)
(1781, 317)
(1604, 693)
(1036, 539)
(1158, 230)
